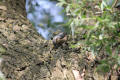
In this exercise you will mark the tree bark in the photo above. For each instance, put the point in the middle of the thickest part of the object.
(26, 56)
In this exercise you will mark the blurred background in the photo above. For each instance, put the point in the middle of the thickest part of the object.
(46, 16)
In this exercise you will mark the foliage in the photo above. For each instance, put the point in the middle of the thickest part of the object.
(101, 20)
(2, 78)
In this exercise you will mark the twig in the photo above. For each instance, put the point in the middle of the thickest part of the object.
(115, 2)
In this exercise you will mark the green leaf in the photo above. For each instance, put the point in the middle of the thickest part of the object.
(61, 3)
(88, 27)
(108, 50)
(104, 68)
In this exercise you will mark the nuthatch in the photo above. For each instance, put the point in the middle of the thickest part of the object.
(59, 39)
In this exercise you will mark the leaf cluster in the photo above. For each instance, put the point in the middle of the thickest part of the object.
(102, 22)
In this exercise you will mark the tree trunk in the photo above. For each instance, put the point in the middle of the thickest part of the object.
(26, 56)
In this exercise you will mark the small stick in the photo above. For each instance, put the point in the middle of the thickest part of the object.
(77, 75)
(115, 2)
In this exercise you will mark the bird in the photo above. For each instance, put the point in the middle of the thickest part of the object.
(59, 39)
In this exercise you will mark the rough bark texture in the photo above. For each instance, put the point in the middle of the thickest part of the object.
(26, 56)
